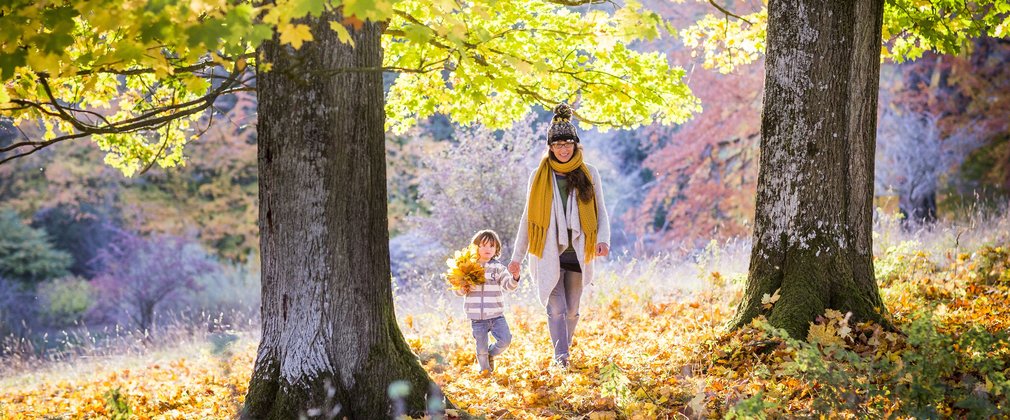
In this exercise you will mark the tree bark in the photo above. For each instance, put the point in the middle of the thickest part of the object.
(813, 221)
(330, 343)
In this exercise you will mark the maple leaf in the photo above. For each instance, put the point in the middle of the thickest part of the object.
(824, 335)
(832, 314)
(295, 35)
(342, 34)
(768, 301)
(464, 270)
(844, 330)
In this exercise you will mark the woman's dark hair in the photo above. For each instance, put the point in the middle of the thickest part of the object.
(579, 180)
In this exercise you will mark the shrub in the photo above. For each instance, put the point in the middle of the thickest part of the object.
(994, 265)
(27, 255)
(65, 300)
(17, 309)
(902, 261)
(81, 232)
(224, 296)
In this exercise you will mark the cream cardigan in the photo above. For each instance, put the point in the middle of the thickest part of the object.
(546, 270)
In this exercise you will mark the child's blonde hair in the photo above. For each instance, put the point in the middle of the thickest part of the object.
(488, 235)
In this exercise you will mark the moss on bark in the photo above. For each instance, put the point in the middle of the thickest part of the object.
(808, 283)
(270, 397)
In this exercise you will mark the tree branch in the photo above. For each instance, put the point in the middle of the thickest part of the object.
(727, 12)
(574, 3)
(153, 119)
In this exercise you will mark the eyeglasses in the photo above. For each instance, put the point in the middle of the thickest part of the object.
(563, 145)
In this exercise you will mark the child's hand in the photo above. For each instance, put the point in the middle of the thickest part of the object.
(602, 249)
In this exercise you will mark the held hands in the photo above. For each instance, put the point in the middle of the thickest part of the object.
(514, 269)
(602, 249)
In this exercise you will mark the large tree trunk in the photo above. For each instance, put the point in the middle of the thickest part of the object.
(330, 341)
(813, 221)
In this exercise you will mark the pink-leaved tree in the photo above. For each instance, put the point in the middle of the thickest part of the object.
(141, 273)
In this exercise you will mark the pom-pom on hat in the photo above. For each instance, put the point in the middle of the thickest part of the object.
(561, 128)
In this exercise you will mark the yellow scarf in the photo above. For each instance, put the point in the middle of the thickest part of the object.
(541, 198)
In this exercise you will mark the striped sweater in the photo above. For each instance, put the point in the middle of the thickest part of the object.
(485, 301)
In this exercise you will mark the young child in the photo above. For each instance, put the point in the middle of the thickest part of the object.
(484, 304)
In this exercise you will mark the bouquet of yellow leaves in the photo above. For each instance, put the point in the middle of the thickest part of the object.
(464, 271)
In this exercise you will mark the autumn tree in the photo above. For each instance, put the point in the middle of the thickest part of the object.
(915, 156)
(705, 171)
(963, 92)
(812, 234)
(213, 193)
(815, 184)
(135, 79)
(456, 208)
(142, 273)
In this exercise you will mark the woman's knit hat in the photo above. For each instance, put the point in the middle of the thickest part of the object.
(561, 125)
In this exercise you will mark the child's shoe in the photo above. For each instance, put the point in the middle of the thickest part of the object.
(484, 363)
(490, 362)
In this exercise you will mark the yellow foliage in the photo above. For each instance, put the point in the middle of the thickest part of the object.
(667, 357)
(464, 270)
(206, 387)
(825, 335)
(295, 34)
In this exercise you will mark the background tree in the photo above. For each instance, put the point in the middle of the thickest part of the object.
(214, 194)
(478, 184)
(81, 231)
(15, 306)
(327, 304)
(404, 174)
(705, 171)
(698, 180)
(140, 273)
(27, 259)
(969, 91)
(915, 155)
(27, 255)
(75, 180)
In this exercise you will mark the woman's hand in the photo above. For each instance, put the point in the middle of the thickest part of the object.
(514, 268)
(602, 249)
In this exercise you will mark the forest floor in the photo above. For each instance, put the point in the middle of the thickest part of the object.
(650, 344)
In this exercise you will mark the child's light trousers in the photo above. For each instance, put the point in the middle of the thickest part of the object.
(503, 337)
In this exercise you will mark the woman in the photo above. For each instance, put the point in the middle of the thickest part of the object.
(564, 226)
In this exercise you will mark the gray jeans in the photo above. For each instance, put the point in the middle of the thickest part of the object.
(503, 337)
(563, 312)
